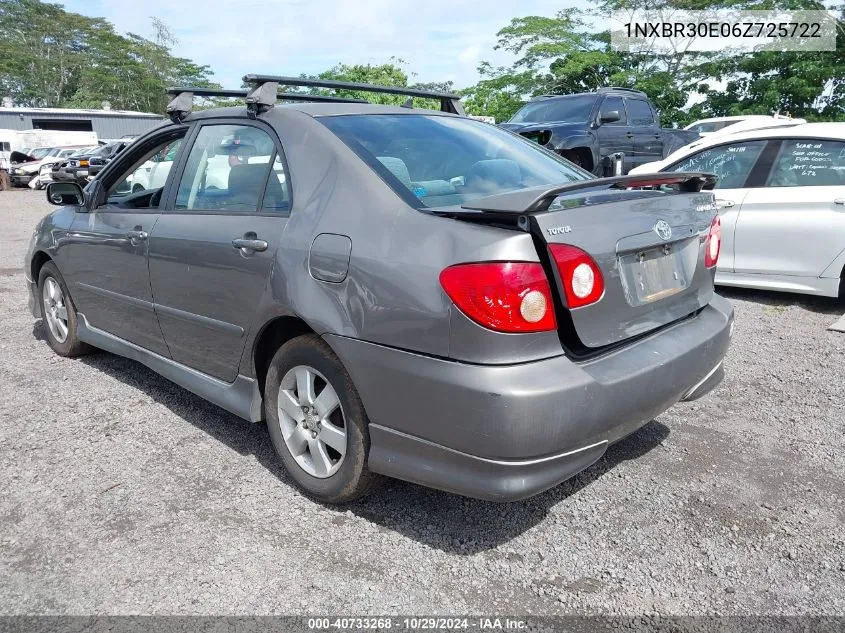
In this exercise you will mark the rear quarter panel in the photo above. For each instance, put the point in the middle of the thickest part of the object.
(391, 294)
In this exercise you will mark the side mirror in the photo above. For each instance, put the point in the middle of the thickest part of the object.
(96, 161)
(611, 116)
(67, 194)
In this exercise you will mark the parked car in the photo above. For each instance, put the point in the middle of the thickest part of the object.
(421, 296)
(82, 168)
(781, 198)
(589, 128)
(152, 174)
(45, 165)
(24, 173)
(60, 171)
(743, 123)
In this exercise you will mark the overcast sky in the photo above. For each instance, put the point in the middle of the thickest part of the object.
(440, 39)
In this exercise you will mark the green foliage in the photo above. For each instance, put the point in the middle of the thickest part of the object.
(50, 57)
(389, 74)
(571, 53)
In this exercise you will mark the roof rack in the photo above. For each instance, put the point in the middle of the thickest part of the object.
(614, 89)
(448, 102)
(181, 105)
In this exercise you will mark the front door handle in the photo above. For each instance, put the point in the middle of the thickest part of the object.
(839, 201)
(247, 244)
(724, 204)
(137, 235)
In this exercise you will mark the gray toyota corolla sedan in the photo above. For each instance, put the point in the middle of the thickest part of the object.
(395, 291)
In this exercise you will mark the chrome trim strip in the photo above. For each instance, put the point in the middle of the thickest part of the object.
(498, 462)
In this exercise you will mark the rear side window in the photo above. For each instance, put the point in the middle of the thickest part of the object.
(808, 163)
(731, 163)
(439, 161)
(639, 112)
(228, 169)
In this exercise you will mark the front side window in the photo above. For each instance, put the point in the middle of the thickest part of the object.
(148, 173)
(573, 109)
(445, 161)
(731, 163)
(609, 105)
(228, 169)
(639, 112)
(808, 163)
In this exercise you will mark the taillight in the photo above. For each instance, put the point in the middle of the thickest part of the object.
(502, 296)
(582, 280)
(713, 245)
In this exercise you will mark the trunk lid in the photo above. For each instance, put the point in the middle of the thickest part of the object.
(648, 244)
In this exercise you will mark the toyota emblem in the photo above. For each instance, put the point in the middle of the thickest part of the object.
(663, 230)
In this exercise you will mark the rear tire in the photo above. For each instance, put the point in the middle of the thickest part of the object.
(59, 313)
(320, 430)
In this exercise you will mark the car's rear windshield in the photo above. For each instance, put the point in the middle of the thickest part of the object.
(444, 161)
(568, 109)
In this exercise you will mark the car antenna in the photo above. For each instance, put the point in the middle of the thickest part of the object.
(409, 103)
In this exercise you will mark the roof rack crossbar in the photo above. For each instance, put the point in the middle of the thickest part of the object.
(615, 89)
(181, 105)
(448, 102)
(282, 96)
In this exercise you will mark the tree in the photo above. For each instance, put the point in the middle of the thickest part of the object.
(388, 74)
(809, 85)
(50, 57)
(556, 55)
(570, 53)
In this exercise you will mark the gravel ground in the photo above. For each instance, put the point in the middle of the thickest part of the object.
(124, 494)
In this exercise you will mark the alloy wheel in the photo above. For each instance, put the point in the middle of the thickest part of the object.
(55, 310)
(312, 421)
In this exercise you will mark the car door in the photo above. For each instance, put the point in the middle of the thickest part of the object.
(794, 223)
(212, 249)
(107, 252)
(733, 163)
(614, 136)
(646, 138)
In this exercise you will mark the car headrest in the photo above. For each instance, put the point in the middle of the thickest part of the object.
(397, 167)
(501, 171)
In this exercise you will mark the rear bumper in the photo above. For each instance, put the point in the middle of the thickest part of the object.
(506, 432)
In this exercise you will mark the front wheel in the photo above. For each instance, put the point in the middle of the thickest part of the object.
(59, 313)
(317, 422)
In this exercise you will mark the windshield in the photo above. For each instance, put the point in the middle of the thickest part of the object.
(710, 126)
(574, 109)
(444, 161)
(40, 152)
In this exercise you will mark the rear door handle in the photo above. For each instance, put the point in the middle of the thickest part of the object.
(137, 235)
(724, 204)
(247, 244)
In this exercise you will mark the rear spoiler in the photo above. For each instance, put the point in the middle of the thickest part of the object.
(538, 199)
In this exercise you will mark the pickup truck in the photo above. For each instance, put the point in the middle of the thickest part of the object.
(589, 128)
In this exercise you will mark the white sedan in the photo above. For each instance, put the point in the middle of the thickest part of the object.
(781, 199)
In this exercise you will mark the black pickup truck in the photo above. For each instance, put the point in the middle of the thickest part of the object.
(589, 128)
